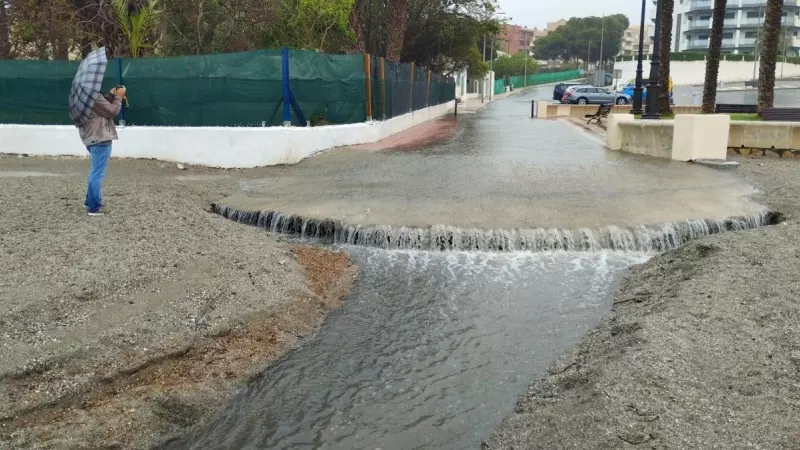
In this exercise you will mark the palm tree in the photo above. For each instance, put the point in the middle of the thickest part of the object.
(137, 27)
(769, 52)
(667, 8)
(714, 52)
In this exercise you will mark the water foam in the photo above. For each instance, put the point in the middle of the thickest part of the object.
(651, 238)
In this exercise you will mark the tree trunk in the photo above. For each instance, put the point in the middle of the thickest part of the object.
(769, 52)
(5, 41)
(712, 61)
(665, 44)
(357, 25)
(396, 27)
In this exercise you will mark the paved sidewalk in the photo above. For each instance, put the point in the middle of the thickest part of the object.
(474, 105)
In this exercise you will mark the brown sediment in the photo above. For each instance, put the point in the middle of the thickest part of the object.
(142, 406)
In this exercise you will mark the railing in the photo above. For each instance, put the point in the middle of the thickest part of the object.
(747, 42)
(752, 21)
(699, 5)
(699, 25)
(697, 45)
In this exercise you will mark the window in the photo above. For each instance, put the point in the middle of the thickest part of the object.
(705, 17)
(752, 14)
(702, 37)
(794, 34)
(727, 35)
(750, 35)
(730, 15)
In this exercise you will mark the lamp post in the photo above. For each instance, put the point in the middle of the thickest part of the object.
(637, 91)
(653, 88)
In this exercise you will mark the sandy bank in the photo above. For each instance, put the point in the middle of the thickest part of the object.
(702, 349)
(121, 331)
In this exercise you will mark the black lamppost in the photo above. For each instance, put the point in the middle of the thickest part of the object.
(637, 91)
(653, 88)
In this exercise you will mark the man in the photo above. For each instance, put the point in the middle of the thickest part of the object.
(97, 132)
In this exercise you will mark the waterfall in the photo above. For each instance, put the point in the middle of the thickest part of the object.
(642, 238)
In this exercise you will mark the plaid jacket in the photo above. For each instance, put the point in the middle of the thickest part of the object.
(86, 84)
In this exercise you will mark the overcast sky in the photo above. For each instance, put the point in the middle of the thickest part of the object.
(536, 13)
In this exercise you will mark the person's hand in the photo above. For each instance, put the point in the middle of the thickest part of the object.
(120, 92)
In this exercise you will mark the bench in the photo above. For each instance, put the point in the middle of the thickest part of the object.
(602, 113)
(781, 114)
(727, 108)
(751, 83)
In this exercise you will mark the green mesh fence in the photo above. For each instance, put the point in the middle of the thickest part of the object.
(237, 89)
(499, 86)
(542, 78)
(397, 95)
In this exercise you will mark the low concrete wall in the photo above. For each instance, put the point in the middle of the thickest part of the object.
(689, 137)
(214, 146)
(647, 137)
(547, 109)
(768, 139)
(694, 72)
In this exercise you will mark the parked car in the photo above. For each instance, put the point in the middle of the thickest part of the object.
(588, 95)
(560, 88)
(628, 90)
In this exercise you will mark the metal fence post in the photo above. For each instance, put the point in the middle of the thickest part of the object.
(368, 76)
(287, 113)
(383, 88)
(411, 91)
(122, 120)
(428, 91)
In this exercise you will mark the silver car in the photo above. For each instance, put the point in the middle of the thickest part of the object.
(587, 95)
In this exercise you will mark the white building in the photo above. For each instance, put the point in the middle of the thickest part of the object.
(691, 25)
(630, 41)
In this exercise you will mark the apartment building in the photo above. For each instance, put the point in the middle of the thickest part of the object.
(630, 41)
(515, 38)
(743, 21)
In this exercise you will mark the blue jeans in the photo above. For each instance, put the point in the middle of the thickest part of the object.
(100, 154)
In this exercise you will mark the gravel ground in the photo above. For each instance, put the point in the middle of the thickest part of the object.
(120, 331)
(702, 349)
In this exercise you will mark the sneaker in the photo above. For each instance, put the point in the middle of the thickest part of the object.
(96, 213)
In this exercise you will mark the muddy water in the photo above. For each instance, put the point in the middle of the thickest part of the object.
(431, 350)
(499, 170)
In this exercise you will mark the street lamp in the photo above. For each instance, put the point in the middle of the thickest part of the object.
(637, 91)
(653, 88)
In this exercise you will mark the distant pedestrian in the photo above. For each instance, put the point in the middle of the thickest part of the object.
(93, 114)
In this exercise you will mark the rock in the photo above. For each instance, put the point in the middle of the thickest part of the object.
(181, 167)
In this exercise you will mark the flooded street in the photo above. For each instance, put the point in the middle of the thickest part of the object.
(499, 170)
(433, 348)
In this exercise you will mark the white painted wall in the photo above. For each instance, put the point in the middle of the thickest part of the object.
(694, 72)
(214, 146)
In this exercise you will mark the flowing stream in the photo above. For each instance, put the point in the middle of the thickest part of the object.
(431, 350)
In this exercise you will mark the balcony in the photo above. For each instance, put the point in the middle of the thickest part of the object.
(747, 42)
(699, 25)
(752, 21)
(700, 5)
(697, 45)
